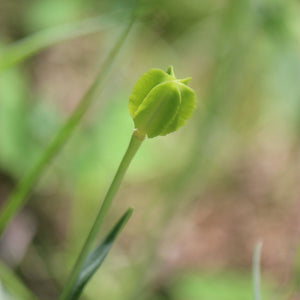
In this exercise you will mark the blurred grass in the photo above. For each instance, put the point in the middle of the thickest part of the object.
(244, 60)
(224, 286)
(22, 49)
(13, 284)
(20, 194)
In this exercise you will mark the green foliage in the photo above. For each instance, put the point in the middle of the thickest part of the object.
(160, 103)
(95, 259)
(18, 197)
(13, 117)
(13, 285)
(135, 143)
(222, 286)
(244, 59)
(43, 14)
(22, 49)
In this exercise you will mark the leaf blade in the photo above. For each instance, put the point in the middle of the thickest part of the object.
(96, 258)
(28, 46)
(14, 285)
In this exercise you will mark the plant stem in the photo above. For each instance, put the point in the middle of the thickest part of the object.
(19, 195)
(134, 145)
(256, 271)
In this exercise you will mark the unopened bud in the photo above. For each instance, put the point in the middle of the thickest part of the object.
(160, 103)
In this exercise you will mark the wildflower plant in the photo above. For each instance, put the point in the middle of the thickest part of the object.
(159, 104)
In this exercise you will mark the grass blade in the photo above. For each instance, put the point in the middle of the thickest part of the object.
(95, 259)
(19, 195)
(28, 46)
(256, 271)
(13, 284)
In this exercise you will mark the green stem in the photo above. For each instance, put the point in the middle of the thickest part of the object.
(134, 145)
(256, 271)
(19, 195)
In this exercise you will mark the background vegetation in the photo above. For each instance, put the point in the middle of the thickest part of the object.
(203, 196)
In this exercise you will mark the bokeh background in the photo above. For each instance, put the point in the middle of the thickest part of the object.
(203, 196)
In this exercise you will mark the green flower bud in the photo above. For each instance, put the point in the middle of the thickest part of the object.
(160, 103)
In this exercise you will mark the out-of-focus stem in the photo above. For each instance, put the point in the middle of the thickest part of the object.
(18, 197)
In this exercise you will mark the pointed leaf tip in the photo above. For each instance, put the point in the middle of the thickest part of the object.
(170, 71)
(96, 257)
(185, 80)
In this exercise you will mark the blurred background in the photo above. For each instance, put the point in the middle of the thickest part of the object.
(204, 196)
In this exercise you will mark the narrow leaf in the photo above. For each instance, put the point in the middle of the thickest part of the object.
(95, 259)
(14, 285)
(19, 195)
(28, 46)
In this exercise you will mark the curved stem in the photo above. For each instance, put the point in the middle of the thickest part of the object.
(18, 197)
(134, 145)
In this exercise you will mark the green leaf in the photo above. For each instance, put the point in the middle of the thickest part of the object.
(230, 284)
(20, 193)
(158, 109)
(95, 259)
(36, 42)
(14, 285)
(143, 87)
